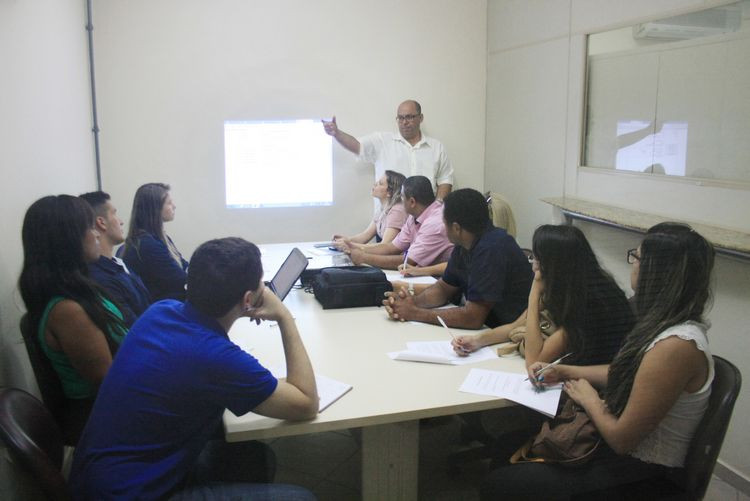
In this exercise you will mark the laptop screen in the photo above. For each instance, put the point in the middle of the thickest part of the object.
(288, 273)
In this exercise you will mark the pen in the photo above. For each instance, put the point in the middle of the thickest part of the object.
(543, 369)
(406, 256)
(442, 322)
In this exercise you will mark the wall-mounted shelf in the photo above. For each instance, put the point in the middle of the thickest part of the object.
(728, 242)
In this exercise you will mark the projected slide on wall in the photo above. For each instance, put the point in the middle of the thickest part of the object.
(640, 147)
(285, 163)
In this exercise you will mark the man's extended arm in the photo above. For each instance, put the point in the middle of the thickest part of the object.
(443, 190)
(402, 306)
(383, 255)
(347, 141)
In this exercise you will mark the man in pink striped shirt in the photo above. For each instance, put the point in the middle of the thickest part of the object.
(422, 240)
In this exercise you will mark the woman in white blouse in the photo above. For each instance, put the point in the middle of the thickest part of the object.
(655, 391)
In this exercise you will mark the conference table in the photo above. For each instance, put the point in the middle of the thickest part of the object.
(388, 397)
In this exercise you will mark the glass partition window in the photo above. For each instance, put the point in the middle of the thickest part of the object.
(672, 97)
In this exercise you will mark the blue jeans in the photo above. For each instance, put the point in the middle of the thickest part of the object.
(237, 471)
(217, 491)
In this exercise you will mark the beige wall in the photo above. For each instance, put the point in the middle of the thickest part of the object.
(45, 148)
(170, 73)
(536, 56)
(45, 133)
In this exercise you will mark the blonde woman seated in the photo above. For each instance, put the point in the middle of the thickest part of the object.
(653, 394)
(389, 219)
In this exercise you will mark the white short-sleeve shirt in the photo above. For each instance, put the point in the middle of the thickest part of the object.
(389, 151)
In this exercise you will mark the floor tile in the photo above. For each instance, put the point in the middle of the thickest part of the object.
(285, 475)
(329, 491)
(316, 454)
(718, 490)
(349, 472)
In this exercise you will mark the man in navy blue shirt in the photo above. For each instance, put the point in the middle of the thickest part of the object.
(175, 374)
(487, 267)
(124, 287)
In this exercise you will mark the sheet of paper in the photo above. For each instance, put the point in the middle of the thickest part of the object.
(439, 352)
(392, 276)
(317, 251)
(329, 390)
(513, 387)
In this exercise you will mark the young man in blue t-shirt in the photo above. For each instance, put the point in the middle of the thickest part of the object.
(162, 400)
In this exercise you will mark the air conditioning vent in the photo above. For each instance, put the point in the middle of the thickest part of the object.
(694, 25)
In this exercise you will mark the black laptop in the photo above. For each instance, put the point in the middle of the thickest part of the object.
(294, 264)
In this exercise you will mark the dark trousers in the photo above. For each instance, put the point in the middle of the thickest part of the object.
(551, 481)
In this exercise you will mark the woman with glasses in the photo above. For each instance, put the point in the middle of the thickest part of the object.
(649, 401)
(77, 327)
(148, 250)
(390, 217)
(587, 314)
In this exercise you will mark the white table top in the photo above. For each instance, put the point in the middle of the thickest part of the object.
(351, 345)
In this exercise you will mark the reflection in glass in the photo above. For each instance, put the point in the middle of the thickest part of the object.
(641, 148)
(647, 83)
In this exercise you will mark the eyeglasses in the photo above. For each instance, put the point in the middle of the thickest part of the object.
(633, 256)
(406, 118)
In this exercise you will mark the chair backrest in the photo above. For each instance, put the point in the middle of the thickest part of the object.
(706, 444)
(46, 377)
(501, 213)
(34, 440)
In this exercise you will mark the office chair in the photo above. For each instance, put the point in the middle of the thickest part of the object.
(34, 440)
(692, 482)
(69, 415)
(501, 213)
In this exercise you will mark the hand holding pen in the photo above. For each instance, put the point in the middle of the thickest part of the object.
(541, 373)
(456, 343)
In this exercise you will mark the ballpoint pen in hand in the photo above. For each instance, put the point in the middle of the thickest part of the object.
(543, 369)
(442, 322)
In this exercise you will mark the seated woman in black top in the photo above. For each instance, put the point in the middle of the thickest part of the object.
(591, 312)
(148, 250)
(646, 404)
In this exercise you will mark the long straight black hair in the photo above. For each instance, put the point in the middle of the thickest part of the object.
(574, 283)
(674, 286)
(53, 261)
(146, 214)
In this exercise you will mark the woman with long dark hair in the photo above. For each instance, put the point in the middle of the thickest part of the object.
(655, 391)
(148, 250)
(590, 312)
(390, 217)
(78, 328)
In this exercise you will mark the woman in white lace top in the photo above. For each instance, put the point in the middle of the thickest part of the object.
(654, 393)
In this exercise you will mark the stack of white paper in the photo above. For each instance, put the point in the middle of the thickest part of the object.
(440, 352)
(329, 390)
(393, 276)
(513, 387)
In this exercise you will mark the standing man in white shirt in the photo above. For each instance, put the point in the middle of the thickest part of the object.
(409, 152)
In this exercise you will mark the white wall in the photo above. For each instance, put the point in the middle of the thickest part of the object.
(45, 148)
(45, 131)
(536, 68)
(170, 72)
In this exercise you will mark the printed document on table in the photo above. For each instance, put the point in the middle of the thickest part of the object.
(513, 387)
(440, 352)
(393, 276)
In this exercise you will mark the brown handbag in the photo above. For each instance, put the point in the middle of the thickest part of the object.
(517, 336)
(570, 439)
